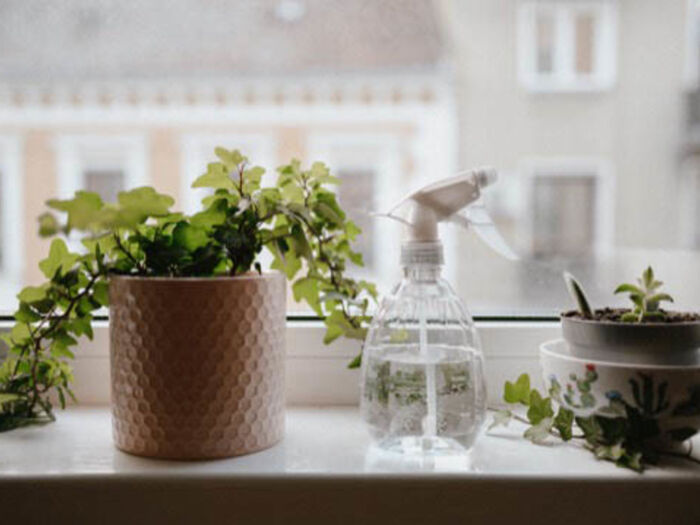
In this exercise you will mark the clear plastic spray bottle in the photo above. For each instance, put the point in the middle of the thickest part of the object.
(423, 385)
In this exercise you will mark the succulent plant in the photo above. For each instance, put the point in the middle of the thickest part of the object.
(646, 298)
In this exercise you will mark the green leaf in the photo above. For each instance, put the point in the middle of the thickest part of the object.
(252, 178)
(657, 298)
(333, 332)
(563, 422)
(648, 277)
(540, 408)
(320, 174)
(145, 202)
(327, 211)
(518, 392)
(83, 210)
(306, 289)
(356, 362)
(48, 225)
(629, 288)
(539, 433)
(216, 177)
(59, 259)
(501, 418)
(20, 332)
(33, 294)
(190, 237)
(100, 292)
(577, 293)
(231, 158)
(25, 314)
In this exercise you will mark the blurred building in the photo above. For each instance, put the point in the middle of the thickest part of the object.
(582, 106)
(588, 108)
(106, 95)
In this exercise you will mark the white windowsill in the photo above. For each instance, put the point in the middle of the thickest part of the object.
(324, 470)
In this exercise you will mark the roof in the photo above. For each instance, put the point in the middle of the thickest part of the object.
(79, 40)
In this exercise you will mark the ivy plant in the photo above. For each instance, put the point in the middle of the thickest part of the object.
(626, 436)
(298, 220)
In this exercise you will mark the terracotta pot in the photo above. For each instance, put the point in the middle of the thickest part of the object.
(197, 365)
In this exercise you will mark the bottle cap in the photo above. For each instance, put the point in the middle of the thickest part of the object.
(422, 253)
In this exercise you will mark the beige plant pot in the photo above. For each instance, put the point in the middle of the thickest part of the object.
(197, 365)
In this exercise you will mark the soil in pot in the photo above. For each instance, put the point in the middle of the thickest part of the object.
(614, 315)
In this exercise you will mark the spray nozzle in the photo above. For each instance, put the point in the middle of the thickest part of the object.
(448, 200)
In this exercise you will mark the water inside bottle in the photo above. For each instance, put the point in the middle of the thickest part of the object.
(395, 397)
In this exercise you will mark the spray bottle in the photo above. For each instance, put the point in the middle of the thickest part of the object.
(423, 384)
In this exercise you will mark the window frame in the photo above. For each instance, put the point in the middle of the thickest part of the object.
(604, 211)
(691, 69)
(11, 205)
(564, 77)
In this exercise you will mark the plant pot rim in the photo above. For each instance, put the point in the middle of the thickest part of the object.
(553, 349)
(645, 326)
(220, 278)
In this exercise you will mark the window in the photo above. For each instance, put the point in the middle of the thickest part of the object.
(103, 164)
(392, 96)
(106, 183)
(568, 210)
(567, 46)
(11, 219)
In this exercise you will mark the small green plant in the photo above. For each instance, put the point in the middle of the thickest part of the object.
(646, 298)
(298, 220)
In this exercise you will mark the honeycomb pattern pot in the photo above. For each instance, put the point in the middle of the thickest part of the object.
(197, 365)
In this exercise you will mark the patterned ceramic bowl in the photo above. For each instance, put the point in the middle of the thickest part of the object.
(667, 396)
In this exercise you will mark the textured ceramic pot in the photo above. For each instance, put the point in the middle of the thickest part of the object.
(666, 397)
(648, 343)
(197, 365)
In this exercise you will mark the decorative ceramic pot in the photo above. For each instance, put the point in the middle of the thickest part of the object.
(197, 364)
(665, 396)
(647, 343)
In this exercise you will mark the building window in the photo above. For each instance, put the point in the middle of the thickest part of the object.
(569, 210)
(106, 183)
(567, 46)
(104, 165)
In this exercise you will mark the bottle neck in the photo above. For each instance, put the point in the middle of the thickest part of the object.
(422, 272)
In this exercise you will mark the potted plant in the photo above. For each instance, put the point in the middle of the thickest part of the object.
(644, 333)
(196, 327)
(626, 382)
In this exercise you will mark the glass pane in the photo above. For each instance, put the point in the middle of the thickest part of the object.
(425, 89)
(545, 34)
(355, 193)
(106, 183)
(585, 34)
